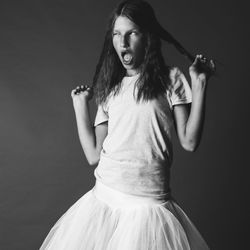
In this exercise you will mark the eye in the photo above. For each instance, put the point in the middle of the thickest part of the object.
(133, 33)
(114, 33)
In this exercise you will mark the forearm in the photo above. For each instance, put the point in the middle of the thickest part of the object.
(86, 133)
(195, 122)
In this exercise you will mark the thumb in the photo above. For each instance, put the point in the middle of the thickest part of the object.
(196, 60)
(73, 93)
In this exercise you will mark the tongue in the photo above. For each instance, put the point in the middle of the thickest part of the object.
(127, 58)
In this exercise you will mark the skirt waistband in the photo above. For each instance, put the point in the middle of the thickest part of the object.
(117, 198)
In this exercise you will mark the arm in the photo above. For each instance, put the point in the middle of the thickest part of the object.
(190, 121)
(91, 138)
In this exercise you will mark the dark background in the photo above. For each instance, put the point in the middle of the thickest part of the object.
(47, 47)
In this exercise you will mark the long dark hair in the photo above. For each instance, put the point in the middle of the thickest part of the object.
(154, 73)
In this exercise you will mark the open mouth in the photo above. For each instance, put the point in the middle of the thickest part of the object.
(127, 57)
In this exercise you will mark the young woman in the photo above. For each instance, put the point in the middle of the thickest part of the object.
(139, 100)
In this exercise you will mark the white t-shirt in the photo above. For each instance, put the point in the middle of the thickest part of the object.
(137, 152)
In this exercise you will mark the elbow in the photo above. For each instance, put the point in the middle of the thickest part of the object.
(93, 161)
(92, 156)
(191, 149)
(190, 146)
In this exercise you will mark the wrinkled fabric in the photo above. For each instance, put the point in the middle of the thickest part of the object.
(107, 219)
(137, 152)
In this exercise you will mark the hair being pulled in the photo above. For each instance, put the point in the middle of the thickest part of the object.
(149, 20)
(154, 74)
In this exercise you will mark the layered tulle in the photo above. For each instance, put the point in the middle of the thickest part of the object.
(106, 219)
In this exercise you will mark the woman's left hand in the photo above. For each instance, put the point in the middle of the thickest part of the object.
(201, 68)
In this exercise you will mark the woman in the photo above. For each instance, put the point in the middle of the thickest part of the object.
(139, 99)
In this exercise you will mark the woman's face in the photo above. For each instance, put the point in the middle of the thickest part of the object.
(129, 45)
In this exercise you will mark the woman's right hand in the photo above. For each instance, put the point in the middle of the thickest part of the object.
(81, 95)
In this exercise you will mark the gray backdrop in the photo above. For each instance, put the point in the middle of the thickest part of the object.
(47, 47)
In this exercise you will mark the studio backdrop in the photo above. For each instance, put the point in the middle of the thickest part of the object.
(48, 47)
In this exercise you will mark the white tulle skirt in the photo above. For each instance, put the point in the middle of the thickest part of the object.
(107, 219)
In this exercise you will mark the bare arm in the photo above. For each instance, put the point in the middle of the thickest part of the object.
(190, 122)
(91, 138)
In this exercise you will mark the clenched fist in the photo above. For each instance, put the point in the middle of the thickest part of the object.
(202, 68)
(81, 95)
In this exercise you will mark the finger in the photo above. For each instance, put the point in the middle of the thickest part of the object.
(201, 57)
(212, 64)
(84, 88)
(89, 88)
(80, 89)
(204, 59)
(196, 59)
(76, 89)
(73, 93)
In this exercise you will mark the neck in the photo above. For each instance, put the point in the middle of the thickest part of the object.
(132, 72)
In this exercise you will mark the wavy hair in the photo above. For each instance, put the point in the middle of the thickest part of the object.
(154, 73)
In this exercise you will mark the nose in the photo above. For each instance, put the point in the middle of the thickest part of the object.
(124, 43)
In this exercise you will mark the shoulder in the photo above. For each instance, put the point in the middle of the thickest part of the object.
(176, 78)
(175, 74)
(179, 89)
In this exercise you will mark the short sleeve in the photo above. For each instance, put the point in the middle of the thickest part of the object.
(180, 91)
(101, 115)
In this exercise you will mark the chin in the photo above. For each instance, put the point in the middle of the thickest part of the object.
(129, 67)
